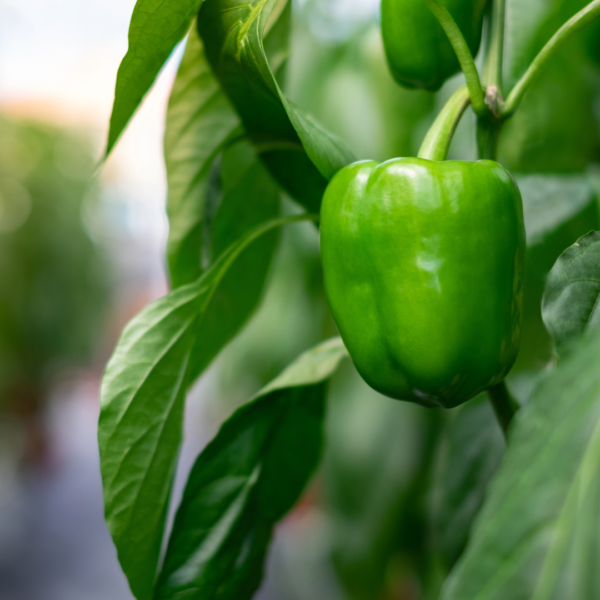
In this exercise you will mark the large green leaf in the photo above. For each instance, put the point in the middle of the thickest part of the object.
(300, 154)
(572, 297)
(471, 449)
(537, 535)
(200, 124)
(156, 27)
(142, 399)
(246, 479)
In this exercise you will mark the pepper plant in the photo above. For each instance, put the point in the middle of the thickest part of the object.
(434, 271)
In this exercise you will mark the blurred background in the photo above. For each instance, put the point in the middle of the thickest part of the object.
(81, 251)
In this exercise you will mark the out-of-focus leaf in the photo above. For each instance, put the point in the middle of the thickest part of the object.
(377, 469)
(552, 202)
(555, 129)
(348, 88)
(200, 123)
(536, 536)
(572, 297)
(472, 447)
(142, 399)
(529, 25)
(300, 154)
(246, 479)
(558, 209)
(155, 29)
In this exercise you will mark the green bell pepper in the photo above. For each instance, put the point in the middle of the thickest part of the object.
(424, 266)
(417, 49)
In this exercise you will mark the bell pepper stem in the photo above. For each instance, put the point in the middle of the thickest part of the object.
(575, 24)
(505, 406)
(437, 141)
(463, 53)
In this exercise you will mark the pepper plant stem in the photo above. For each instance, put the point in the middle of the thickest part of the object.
(575, 24)
(437, 141)
(492, 71)
(467, 64)
(488, 134)
(504, 404)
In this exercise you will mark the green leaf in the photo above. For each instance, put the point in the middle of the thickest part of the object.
(472, 447)
(536, 537)
(376, 476)
(572, 298)
(552, 202)
(558, 210)
(250, 197)
(246, 479)
(142, 399)
(300, 154)
(200, 124)
(209, 172)
(156, 28)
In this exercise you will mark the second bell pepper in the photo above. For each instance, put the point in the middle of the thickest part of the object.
(424, 264)
(418, 51)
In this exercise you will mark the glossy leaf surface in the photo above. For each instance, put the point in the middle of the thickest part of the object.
(572, 297)
(247, 478)
(536, 535)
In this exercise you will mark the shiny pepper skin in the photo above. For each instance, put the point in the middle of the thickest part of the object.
(417, 49)
(424, 264)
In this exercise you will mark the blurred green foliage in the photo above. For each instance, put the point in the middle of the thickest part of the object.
(53, 279)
